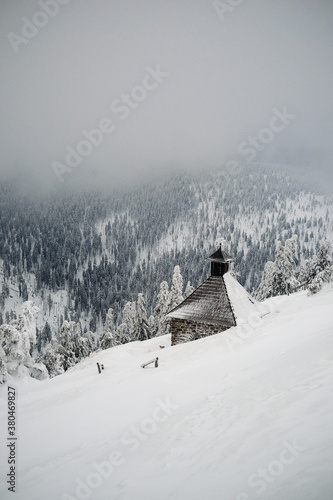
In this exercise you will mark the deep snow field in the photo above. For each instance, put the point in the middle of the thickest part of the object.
(246, 414)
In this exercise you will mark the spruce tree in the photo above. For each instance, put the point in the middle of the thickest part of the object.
(107, 337)
(90, 341)
(141, 324)
(265, 289)
(44, 337)
(279, 277)
(318, 270)
(18, 337)
(52, 359)
(176, 292)
(66, 345)
(126, 330)
(161, 310)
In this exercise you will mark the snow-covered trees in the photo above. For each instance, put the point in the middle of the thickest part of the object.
(89, 339)
(15, 342)
(79, 342)
(51, 358)
(282, 277)
(161, 326)
(44, 337)
(72, 345)
(122, 335)
(318, 270)
(18, 336)
(141, 323)
(124, 332)
(176, 292)
(107, 338)
(279, 277)
(26, 325)
(134, 325)
(14, 346)
(265, 288)
(67, 345)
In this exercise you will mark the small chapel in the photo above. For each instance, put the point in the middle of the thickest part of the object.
(218, 304)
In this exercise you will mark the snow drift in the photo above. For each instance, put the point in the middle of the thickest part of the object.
(242, 415)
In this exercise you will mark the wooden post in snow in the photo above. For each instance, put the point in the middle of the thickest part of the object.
(150, 362)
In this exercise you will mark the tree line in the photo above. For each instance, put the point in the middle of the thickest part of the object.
(104, 248)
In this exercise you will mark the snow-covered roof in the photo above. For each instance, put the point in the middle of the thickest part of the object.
(219, 300)
(243, 304)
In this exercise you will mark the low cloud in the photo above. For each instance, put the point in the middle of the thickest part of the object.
(224, 80)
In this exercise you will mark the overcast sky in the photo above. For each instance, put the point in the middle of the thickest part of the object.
(171, 84)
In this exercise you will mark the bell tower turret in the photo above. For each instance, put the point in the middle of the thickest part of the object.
(219, 262)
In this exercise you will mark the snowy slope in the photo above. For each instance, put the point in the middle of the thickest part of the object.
(241, 415)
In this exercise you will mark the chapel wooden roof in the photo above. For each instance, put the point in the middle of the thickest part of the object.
(209, 303)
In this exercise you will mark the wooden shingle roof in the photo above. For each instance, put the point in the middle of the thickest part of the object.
(209, 303)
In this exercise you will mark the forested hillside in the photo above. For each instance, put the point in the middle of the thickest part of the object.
(80, 253)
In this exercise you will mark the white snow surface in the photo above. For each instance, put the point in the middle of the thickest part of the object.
(235, 416)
